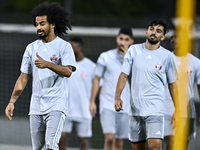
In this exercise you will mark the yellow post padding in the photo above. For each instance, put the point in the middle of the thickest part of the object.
(185, 14)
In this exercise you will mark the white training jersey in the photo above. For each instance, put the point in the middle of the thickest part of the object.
(49, 90)
(80, 89)
(151, 70)
(109, 66)
(192, 72)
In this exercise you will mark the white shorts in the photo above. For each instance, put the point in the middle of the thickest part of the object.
(143, 128)
(116, 123)
(168, 131)
(83, 126)
(46, 129)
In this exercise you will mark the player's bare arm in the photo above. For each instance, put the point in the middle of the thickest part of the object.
(173, 88)
(95, 89)
(61, 70)
(120, 86)
(19, 87)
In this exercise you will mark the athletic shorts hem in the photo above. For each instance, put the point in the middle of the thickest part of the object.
(122, 137)
(87, 136)
(108, 132)
(155, 138)
(139, 141)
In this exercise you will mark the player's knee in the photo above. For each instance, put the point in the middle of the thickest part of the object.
(109, 141)
(83, 142)
(119, 144)
(154, 146)
(61, 142)
(63, 138)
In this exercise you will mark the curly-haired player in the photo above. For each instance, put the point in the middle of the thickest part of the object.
(55, 15)
(50, 60)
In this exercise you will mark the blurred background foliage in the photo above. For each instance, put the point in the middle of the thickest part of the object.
(111, 13)
(99, 13)
(22, 5)
(95, 7)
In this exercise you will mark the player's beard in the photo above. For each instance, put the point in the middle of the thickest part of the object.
(152, 41)
(42, 37)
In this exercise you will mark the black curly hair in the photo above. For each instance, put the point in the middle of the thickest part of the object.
(55, 14)
(161, 23)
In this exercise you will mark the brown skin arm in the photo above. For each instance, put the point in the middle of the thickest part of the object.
(19, 87)
(120, 86)
(173, 89)
(95, 90)
(61, 70)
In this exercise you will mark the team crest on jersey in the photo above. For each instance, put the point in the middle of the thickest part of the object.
(158, 67)
(83, 74)
(189, 71)
(54, 58)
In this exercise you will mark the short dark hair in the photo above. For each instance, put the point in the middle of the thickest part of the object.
(126, 30)
(159, 22)
(77, 40)
(55, 14)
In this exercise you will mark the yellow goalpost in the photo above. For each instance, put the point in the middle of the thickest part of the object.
(185, 14)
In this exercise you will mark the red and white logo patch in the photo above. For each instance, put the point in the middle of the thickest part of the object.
(158, 67)
(83, 75)
(189, 71)
(54, 58)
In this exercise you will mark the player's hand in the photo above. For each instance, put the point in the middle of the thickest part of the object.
(9, 111)
(118, 104)
(93, 109)
(40, 63)
(173, 122)
(123, 48)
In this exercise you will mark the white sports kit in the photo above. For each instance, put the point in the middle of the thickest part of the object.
(49, 90)
(151, 72)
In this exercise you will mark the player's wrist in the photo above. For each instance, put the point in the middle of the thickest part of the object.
(92, 101)
(11, 102)
(117, 97)
(47, 64)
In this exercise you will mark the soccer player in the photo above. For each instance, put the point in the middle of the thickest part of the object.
(79, 98)
(152, 68)
(192, 72)
(114, 124)
(50, 60)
